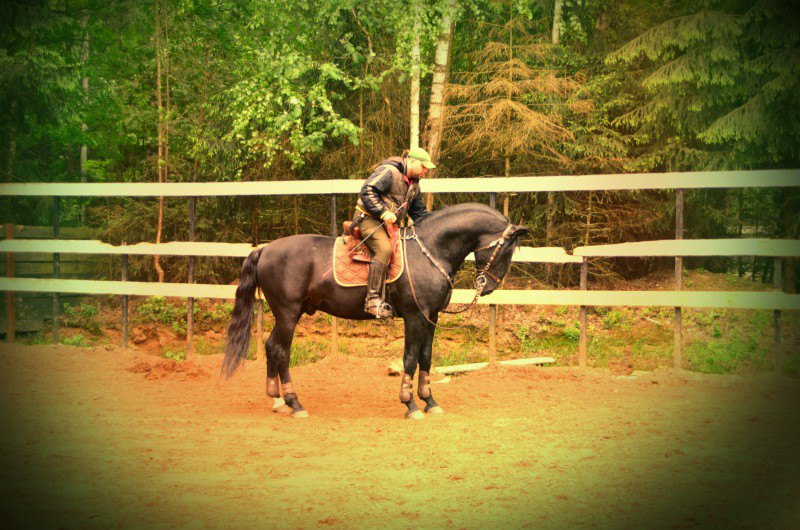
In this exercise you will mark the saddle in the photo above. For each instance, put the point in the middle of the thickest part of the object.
(351, 264)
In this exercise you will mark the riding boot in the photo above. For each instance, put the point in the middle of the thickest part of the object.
(376, 279)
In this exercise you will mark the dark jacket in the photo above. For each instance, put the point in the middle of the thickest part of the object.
(387, 188)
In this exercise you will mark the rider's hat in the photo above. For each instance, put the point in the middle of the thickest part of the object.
(422, 155)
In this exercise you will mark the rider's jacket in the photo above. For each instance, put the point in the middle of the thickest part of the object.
(387, 188)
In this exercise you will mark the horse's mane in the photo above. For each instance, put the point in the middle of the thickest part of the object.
(466, 216)
(459, 210)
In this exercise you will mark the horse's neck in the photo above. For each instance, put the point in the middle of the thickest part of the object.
(452, 244)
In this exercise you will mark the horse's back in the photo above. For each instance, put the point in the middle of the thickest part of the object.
(291, 262)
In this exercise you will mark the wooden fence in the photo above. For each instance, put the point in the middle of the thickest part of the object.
(28, 310)
(777, 249)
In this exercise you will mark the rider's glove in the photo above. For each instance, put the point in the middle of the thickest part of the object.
(388, 217)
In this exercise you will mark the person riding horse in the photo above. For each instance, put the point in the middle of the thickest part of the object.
(389, 194)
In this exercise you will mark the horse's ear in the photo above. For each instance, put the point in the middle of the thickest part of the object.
(520, 230)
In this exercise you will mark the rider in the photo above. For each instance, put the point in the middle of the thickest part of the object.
(390, 192)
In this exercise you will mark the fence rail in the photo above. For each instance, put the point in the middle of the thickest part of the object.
(626, 181)
(678, 248)
(716, 299)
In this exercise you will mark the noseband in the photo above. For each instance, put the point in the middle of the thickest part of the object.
(480, 278)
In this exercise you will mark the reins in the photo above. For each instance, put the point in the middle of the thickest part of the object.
(480, 278)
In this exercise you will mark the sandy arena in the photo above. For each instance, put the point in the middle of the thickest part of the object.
(105, 438)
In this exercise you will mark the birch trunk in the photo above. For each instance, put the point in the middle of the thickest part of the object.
(85, 88)
(557, 21)
(160, 157)
(415, 60)
(441, 71)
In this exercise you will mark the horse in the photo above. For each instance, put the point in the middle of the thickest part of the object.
(294, 273)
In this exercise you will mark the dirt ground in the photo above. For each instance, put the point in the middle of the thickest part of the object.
(107, 438)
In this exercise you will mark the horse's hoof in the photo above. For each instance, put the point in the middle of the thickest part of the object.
(415, 415)
(279, 405)
(300, 414)
(434, 410)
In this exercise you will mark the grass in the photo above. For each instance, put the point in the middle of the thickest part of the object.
(464, 353)
(307, 352)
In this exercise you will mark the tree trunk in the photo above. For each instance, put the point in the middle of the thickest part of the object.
(441, 71)
(160, 157)
(557, 21)
(85, 88)
(415, 60)
(12, 142)
(791, 198)
(549, 232)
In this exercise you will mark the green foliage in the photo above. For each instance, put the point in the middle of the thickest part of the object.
(82, 316)
(716, 80)
(572, 333)
(75, 340)
(528, 343)
(616, 319)
(307, 352)
(216, 313)
(464, 353)
(175, 355)
(158, 309)
(727, 356)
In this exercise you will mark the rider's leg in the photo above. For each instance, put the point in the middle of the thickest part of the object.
(381, 248)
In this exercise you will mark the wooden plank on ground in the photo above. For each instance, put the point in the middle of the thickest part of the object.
(629, 181)
(722, 299)
(696, 247)
(457, 368)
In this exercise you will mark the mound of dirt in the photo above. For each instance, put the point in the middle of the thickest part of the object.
(168, 368)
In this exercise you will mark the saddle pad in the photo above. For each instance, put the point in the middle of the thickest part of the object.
(350, 273)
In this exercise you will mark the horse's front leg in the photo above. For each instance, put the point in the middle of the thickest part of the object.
(425, 358)
(414, 340)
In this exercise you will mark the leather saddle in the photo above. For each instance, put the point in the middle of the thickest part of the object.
(350, 264)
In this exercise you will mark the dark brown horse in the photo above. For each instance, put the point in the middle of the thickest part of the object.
(294, 275)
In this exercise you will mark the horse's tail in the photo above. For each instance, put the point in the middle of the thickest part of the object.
(239, 328)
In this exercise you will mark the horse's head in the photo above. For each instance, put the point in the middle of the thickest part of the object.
(493, 257)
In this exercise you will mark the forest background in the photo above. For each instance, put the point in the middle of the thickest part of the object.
(221, 90)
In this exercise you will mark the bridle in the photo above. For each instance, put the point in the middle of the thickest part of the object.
(480, 277)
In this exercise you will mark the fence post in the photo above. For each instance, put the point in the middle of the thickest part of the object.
(11, 314)
(583, 339)
(678, 324)
(492, 307)
(124, 277)
(777, 285)
(190, 280)
(334, 320)
(56, 267)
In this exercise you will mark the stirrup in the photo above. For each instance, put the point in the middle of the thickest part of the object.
(379, 308)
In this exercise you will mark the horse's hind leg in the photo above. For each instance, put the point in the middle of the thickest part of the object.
(278, 347)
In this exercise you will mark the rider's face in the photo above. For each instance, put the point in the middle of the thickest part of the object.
(416, 169)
